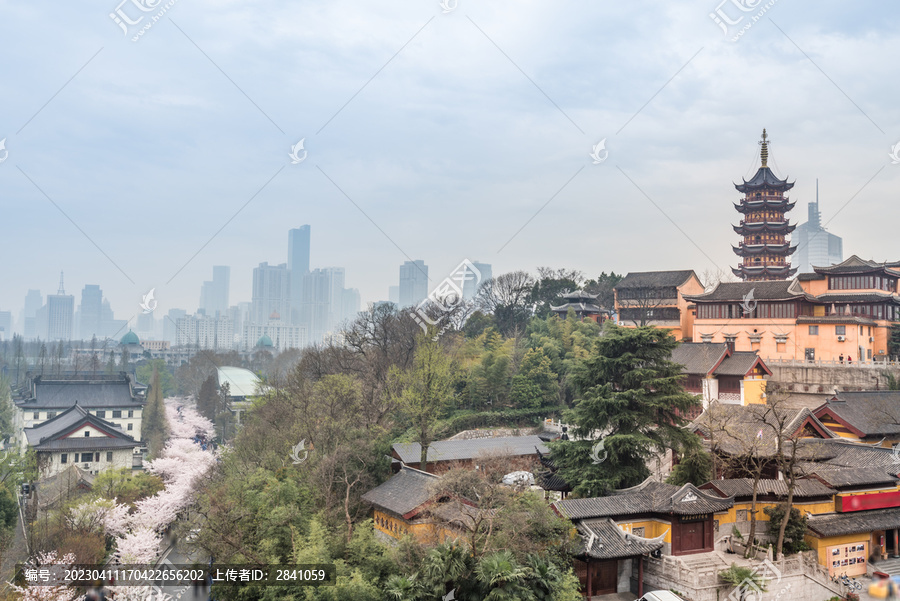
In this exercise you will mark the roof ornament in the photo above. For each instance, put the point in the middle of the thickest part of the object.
(764, 152)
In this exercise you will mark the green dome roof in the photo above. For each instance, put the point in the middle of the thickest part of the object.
(130, 338)
(265, 341)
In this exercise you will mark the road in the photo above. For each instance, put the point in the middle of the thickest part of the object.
(182, 554)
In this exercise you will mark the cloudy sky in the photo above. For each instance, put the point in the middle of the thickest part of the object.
(432, 132)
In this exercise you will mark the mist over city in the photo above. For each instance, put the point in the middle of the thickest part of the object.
(444, 300)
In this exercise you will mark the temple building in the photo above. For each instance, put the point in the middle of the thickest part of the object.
(584, 304)
(765, 248)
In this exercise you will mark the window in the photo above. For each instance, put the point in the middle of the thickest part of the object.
(117, 413)
(130, 413)
(101, 414)
(64, 458)
(639, 531)
(97, 456)
(51, 414)
(109, 456)
(87, 457)
(37, 415)
(840, 330)
(813, 330)
(87, 433)
(130, 426)
(869, 353)
(741, 515)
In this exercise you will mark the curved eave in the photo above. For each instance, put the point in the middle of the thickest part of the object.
(764, 227)
(776, 272)
(761, 205)
(752, 250)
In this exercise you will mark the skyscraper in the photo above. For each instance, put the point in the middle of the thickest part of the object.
(351, 304)
(413, 283)
(90, 312)
(471, 285)
(298, 265)
(170, 324)
(323, 297)
(33, 303)
(271, 293)
(214, 294)
(815, 246)
(60, 313)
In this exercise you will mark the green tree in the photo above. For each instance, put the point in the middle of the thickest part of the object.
(604, 286)
(795, 531)
(631, 396)
(696, 467)
(111, 363)
(424, 391)
(208, 398)
(536, 384)
(550, 286)
(166, 380)
(744, 577)
(154, 426)
(7, 411)
(502, 578)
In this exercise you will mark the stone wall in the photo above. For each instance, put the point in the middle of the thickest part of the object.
(801, 579)
(823, 379)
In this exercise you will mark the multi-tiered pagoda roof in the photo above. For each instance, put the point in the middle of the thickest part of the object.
(764, 227)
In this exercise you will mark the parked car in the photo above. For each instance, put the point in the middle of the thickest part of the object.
(660, 596)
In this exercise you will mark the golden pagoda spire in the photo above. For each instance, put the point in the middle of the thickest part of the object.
(764, 153)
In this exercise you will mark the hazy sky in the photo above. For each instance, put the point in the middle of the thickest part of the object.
(430, 135)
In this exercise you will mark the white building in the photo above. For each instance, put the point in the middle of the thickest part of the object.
(109, 397)
(78, 437)
(205, 332)
(274, 333)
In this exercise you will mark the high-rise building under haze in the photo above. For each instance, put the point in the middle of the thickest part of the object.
(214, 294)
(60, 313)
(33, 303)
(815, 246)
(90, 312)
(271, 293)
(298, 265)
(413, 283)
(474, 281)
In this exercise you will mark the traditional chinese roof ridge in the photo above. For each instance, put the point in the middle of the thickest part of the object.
(844, 319)
(743, 487)
(867, 413)
(771, 272)
(840, 452)
(764, 178)
(577, 307)
(580, 295)
(455, 450)
(781, 290)
(758, 227)
(647, 497)
(700, 357)
(869, 296)
(404, 492)
(750, 250)
(838, 524)
(855, 264)
(89, 390)
(54, 434)
(655, 279)
(604, 539)
(741, 363)
(842, 477)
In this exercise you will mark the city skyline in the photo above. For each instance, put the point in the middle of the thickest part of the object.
(429, 136)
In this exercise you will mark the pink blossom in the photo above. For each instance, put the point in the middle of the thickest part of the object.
(48, 593)
(141, 545)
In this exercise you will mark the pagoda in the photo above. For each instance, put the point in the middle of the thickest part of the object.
(765, 248)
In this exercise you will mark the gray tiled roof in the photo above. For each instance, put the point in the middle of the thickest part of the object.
(609, 541)
(874, 412)
(456, 450)
(737, 291)
(647, 497)
(406, 490)
(743, 487)
(855, 522)
(737, 429)
(57, 392)
(655, 279)
(50, 435)
(840, 477)
(699, 357)
(854, 264)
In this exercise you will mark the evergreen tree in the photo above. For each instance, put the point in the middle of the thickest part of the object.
(154, 426)
(111, 363)
(695, 467)
(632, 398)
(208, 399)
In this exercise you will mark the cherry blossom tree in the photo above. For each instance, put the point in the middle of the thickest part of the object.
(48, 593)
